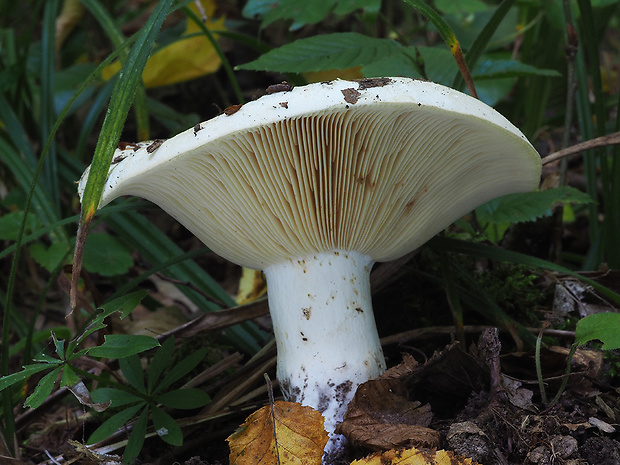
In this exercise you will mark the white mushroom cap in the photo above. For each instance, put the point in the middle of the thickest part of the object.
(378, 166)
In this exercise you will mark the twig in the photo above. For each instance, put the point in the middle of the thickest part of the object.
(273, 415)
(603, 141)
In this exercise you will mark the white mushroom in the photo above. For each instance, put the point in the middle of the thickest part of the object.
(316, 184)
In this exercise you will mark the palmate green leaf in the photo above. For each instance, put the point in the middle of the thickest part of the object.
(132, 370)
(166, 428)
(182, 368)
(106, 255)
(123, 345)
(324, 52)
(604, 327)
(43, 389)
(124, 304)
(68, 378)
(136, 439)
(185, 399)
(28, 371)
(158, 363)
(516, 208)
(11, 222)
(112, 424)
(116, 397)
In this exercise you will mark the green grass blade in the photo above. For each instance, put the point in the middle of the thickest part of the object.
(126, 85)
(482, 40)
(48, 54)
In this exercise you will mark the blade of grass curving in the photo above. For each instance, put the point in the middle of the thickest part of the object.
(117, 38)
(225, 63)
(482, 40)
(449, 37)
(496, 253)
(47, 102)
(125, 87)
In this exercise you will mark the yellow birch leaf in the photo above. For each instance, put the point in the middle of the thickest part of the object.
(70, 15)
(287, 433)
(414, 456)
(189, 57)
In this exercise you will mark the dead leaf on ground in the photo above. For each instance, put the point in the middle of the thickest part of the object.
(380, 417)
(286, 433)
(415, 457)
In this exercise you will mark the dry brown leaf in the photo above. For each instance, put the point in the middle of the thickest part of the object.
(380, 417)
(415, 457)
(298, 438)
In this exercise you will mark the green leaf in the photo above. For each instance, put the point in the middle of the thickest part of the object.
(43, 389)
(123, 345)
(11, 222)
(69, 378)
(52, 257)
(182, 368)
(185, 399)
(159, 362)
(112, 424)
(136, 439)
(301, 12)
(500, 68)
(28, 371)
(124, 304)
(604, 327)
(116, 397)
(324, 52)
(105, 255)
(460, 6)
(166, 428)
(516, 208)
(132, 370)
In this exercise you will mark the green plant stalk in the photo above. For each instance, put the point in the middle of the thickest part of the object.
(449, 284)
(225, 63)
(539, 373)
(569, 359)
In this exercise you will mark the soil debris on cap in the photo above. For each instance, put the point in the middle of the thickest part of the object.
(367, 83)
(282, 87)
(155, 145)
(231, 110)
(351, 95)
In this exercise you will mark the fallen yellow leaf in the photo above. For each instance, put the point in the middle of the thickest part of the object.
(414, 457)
(189, 57)
(286, 433)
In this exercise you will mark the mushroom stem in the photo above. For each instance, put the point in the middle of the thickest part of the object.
(325, 332)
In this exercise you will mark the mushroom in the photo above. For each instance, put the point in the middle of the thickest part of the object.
(314, 185)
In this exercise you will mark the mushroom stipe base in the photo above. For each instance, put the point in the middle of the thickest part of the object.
(325, 331)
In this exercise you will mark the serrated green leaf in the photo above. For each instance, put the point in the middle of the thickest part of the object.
(123, 345)
(105, 255)
(301, 13)
(136, 439)
(132, 370)
(166, 428)
(157, 365)
(112, 424)
(60, 345)
(116, 397)
(184, 399)
(516, 208)
(604, 327)
(43, 389)
(28, 371)
(51, 257)
(182, 368)
(324, 52)
(11, 222)
(500, 68)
